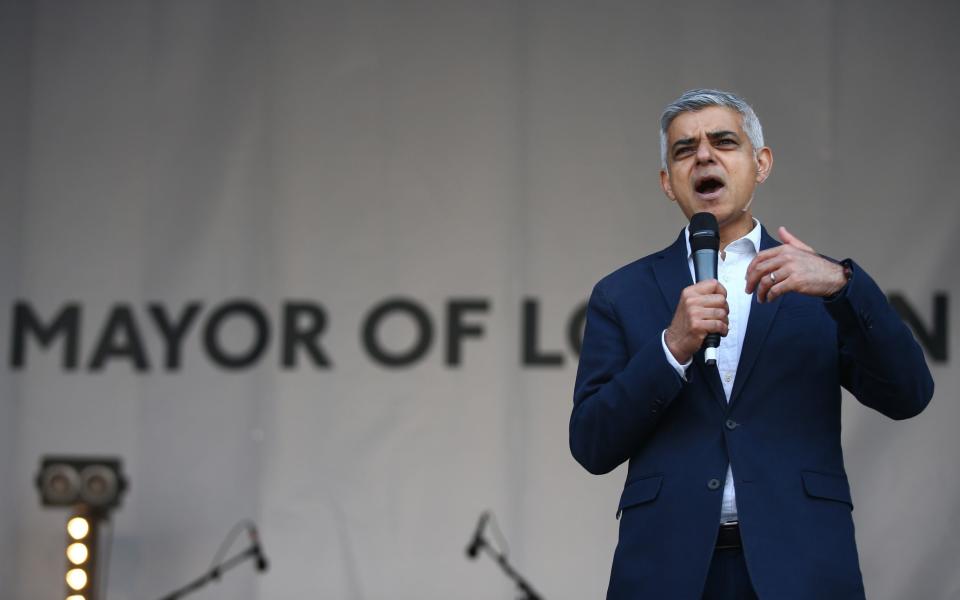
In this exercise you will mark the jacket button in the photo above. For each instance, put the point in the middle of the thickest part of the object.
(713, 484)
(731, 424)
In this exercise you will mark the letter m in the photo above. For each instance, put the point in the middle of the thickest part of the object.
(26, 323)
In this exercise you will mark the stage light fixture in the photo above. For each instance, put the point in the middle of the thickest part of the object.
(81, 556)
(95, 482)
(91, 487)
(61, 483)
(98, 485)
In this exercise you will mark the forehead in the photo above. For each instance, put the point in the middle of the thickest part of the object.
(692, 124)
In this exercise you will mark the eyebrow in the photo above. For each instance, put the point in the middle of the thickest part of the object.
(717, 135)
(712, 136)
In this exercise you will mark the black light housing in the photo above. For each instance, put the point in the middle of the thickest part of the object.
(95, 482)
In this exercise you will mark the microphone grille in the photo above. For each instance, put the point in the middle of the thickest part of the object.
(704, 232)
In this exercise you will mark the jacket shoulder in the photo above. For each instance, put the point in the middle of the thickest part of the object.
(629, 275)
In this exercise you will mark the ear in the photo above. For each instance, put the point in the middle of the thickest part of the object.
(665, 184)
(764, 163)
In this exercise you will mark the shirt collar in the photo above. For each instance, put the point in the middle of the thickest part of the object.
(752, 238)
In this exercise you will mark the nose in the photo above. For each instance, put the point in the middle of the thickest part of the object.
(704, 152)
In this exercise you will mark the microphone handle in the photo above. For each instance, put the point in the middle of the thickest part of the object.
(711, 341)
(705, 267)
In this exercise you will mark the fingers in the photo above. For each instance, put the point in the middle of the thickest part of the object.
(761, 267)
(766, 283)
(776, 291)
(706, 306)
(791, 245)
(707, 313)
(708, 286)
(709, 301)
(705, 293)
(702, 310)
(786, 280)
(792, 240)
(712, 320)
(708, 327)
(764, 257)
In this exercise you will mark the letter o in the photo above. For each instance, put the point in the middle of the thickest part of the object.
(211, 338)
(421, 345)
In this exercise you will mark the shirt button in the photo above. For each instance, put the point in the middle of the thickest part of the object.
(731, 424)
(713, 484)
(728, 377)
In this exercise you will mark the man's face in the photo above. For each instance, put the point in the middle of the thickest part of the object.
(711, 165)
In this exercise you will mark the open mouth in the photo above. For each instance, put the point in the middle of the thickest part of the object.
(708, 186)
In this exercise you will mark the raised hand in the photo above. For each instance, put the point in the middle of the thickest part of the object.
(792, 267)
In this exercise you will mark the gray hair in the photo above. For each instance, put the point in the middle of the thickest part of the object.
(694, 100)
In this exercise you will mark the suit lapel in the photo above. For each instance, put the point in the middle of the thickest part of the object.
(761, 316)
(672, 272)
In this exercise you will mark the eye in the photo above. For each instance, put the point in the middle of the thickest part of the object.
(726, 142)
(684, 151)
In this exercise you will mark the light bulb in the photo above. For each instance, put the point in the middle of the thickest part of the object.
(77, 553)
(76, 579)
(78, 528)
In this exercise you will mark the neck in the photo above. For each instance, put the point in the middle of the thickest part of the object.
(736, 229)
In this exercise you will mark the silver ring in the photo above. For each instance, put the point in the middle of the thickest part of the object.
(773, 277)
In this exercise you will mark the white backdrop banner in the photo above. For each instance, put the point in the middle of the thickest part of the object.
(323, 265)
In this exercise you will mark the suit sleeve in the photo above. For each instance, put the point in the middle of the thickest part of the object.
(618, 399)
(881, 363)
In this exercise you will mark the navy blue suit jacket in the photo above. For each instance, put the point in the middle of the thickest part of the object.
(780, 431)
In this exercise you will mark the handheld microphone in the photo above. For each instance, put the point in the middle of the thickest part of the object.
(260, 560)
(477, 541)
(704, 246)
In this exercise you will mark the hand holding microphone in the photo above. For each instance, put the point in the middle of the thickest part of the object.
(702, 314)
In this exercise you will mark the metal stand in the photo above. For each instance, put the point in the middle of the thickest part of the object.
(214, 574)
(526, 591)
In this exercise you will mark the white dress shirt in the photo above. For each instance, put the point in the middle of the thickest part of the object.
(732, 272)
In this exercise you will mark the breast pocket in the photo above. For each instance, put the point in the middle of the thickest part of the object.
(639, 492)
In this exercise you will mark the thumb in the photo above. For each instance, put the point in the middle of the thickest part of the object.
(792, 240)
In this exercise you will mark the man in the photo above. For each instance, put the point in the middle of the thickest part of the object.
(736, 486)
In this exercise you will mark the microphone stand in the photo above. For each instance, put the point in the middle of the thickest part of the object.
(526, 591)
(253, 552)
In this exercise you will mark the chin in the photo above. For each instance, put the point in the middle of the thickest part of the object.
(721, 212)
(725, 215)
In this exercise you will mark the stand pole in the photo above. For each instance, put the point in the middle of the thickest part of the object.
(213, 574)
(526, 590)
